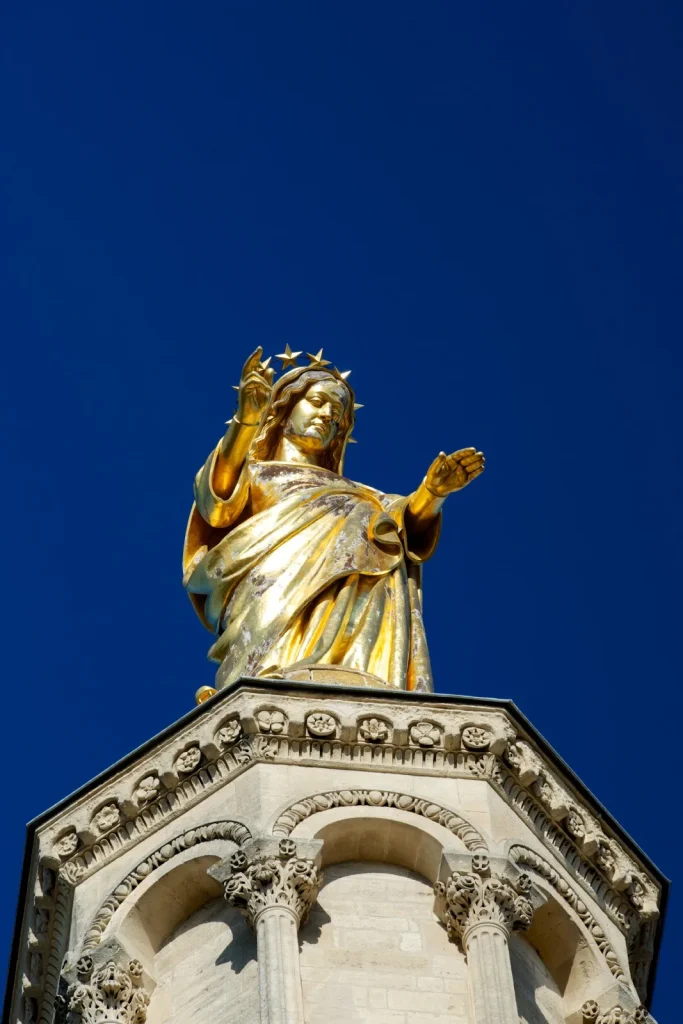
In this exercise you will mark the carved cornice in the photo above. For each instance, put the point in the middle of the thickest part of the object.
(377, 735)
(280, 877)
(456, 743)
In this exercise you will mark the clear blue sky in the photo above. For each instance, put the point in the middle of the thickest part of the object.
(474, 206)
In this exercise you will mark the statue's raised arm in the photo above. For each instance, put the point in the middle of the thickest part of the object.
(254, 392)
(297, 570)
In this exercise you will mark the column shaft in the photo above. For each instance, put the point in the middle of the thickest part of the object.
(491, 984)
(280, 993)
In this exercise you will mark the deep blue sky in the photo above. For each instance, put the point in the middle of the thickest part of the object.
(476, 207)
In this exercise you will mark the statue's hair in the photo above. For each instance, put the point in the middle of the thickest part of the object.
(286, 393)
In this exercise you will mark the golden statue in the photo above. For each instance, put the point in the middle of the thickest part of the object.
(297, 570)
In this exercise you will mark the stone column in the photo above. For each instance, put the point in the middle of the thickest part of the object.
(275, 883)
(480, 908)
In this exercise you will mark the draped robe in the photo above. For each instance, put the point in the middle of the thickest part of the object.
(300, 566)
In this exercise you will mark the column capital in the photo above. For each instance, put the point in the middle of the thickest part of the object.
(476, 895)
(112, 995)
(615, 1015)
(270, 872)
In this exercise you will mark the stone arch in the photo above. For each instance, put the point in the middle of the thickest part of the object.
(367, 835)
(171, 917)
(232, 831)
(572, 945)
(292, 816)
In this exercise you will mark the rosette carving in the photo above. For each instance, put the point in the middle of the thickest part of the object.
(273, 879)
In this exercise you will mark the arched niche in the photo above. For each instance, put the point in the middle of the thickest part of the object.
(170, 894)
(571, 941)
(198, 952)
(165, 904)
(569, 954)
(378, 834)
(373, 948)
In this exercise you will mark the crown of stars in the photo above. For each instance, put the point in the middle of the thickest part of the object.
(288, 358)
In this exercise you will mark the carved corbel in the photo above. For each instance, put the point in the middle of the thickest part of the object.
(614, 1015)
(524, 761)
(110, 994)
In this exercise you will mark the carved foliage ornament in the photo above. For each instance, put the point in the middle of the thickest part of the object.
(107, 817)
(112, 995)
(606, 853)
(268, 881)
(615, 1015)
(373, 730)
(67, 845)
(149, 810)
(147, 789)
(271, 721)
(188, 760)
(473, 898)
(230, 732)
(425, 734)
(302, 809)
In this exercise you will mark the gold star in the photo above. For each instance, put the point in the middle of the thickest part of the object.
(317, 360)
(351, 440)
(357, 405)
(288, 357)
(265, 364)
(345, 375)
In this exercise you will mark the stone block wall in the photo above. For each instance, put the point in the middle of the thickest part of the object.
(373, 951)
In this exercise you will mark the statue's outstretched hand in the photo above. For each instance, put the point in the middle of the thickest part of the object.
(449, 473)
(254, 390)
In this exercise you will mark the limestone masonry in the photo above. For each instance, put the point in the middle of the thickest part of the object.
(300, 853)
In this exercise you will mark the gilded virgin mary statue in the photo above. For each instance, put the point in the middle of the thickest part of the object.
(298, 571)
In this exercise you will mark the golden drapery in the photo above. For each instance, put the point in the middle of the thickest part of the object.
(300, 567)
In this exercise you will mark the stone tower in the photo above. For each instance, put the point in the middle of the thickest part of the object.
(324, 840)
(293, 852)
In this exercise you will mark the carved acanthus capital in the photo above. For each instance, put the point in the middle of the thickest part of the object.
(479, 896)
(113, 995)
(615, 1015)
(274, 873)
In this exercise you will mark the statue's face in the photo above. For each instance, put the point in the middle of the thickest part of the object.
(314, 420)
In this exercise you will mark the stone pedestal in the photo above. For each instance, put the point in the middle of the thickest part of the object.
(295, 852)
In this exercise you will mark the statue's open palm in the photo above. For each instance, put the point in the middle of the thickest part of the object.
(254, 389)
(449, 473)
